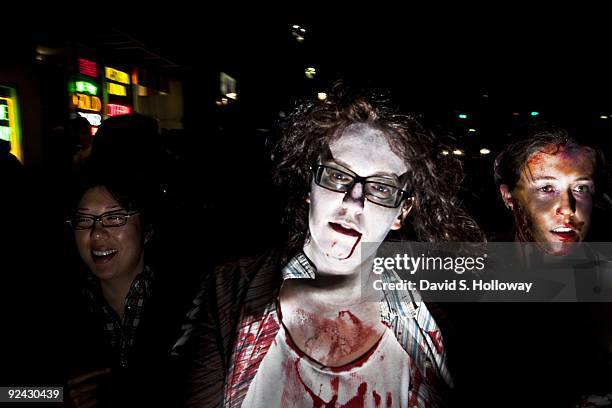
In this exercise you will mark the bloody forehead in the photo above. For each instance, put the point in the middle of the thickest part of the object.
(568, 158)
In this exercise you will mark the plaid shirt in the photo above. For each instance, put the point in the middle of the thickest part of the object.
(121, 334)
(235, 321)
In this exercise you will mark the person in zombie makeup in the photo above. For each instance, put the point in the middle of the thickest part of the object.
(292, 329)
(539, 353)
(548, 181)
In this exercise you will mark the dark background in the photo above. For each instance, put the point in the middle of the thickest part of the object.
(486, 62)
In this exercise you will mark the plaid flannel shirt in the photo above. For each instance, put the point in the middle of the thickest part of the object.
(121, 334)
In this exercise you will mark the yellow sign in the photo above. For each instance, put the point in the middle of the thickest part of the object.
(86, 102)
(117, 76)
(116, 89)
(11, 132)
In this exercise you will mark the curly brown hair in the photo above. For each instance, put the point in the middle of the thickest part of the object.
(436, 215)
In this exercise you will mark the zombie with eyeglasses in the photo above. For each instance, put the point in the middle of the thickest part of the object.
(291, 329)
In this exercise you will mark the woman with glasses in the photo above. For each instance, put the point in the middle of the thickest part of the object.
(116, 346)
(293, 329)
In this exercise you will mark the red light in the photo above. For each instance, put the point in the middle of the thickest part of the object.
(94, 130)
(116, 110)
(87, 67)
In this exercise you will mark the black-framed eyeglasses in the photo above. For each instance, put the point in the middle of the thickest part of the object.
(377, 189)
(108, 219)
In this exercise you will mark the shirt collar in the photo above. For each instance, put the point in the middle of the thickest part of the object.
(141, 284)
(299, 267)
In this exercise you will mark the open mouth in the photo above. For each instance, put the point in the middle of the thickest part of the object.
(101, 256)
(565, 233)
(343, 230)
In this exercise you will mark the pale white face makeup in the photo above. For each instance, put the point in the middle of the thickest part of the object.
(338, 222)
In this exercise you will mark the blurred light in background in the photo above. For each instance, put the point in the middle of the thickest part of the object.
(322, 96)
(93, 118)
(227, 86)
(603, 117)
(10, 129)
(117, 76)
(310, 72)
(458, 152)
(471, 130)
(117, 110)
(83, 86)
(445, 152)
(535, 113)
(462, 116)
(87, 67)
(116, 89)
(298, 32)
(484, 150)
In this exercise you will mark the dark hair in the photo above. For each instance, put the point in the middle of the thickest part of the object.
(129, 144)
(541, 137)
(132, 194)
(435, 216)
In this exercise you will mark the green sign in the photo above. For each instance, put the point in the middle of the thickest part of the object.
(5, 133)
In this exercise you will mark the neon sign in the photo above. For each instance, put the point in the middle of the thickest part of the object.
(93, 118)
(88, 87)
(4, 113)
(5, 133)
(9, 125)
(116, 89)
(5, 128)
(87, 67)
(117, 76)
(86, 102)
(116, 110)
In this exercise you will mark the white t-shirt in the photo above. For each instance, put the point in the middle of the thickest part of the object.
(287, 378)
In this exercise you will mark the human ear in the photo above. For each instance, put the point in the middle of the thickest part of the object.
(399, 221)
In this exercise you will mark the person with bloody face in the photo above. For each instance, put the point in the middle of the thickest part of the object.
(544, 353)
(293, 328)
(549, 183)
(553, 184)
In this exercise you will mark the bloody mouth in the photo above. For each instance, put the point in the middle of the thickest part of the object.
(346, 231)
(566, 236)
